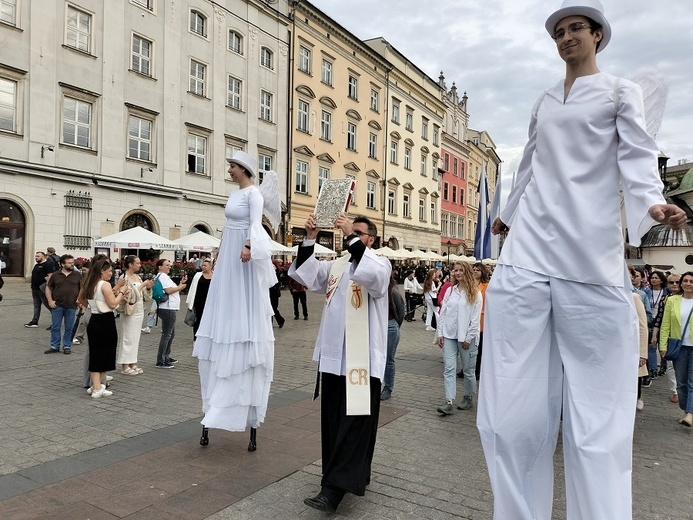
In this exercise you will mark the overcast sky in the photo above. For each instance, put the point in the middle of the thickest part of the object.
(499, 52)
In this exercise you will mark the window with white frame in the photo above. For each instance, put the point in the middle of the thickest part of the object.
(77, 122)
(454, 194)
(373, 146)
(351, 136)
(147, 4)
(391, 205)
(8, 105)
(267, 58)
(78, 33)
(301, 176)
(264, 164)
(461, 170)
(453, 226)
(393, 151)
(304, 59)
(407, 158)
(436, 135)
(140, 138)
(232, 148)
(265, 105)
(395, 111)
(424, 164)
(370, 195)
(141, 55)
(434, 171)
(422, 209)
(235, 42)
(235, 93)
(323, 175)
(454, 166)
(326, 72)
(460, 228)
(198, 73)
(409, 123)
(353, 87)
(444, 230)
(406, 209)
(198, 23)
(302, 113)
(434, 211)
(8, 11)
(326, 126)
(447, 162)
(424, 128)
(197, 154)
(446, 191)
(375, 100)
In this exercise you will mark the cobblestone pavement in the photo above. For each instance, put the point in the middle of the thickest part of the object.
(136, 454)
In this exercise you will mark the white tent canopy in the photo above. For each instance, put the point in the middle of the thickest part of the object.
(279, 249)
(319, 250)
(136, 238)
(198, 241)
(390, 253)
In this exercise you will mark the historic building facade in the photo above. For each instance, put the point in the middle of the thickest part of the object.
(115, 114)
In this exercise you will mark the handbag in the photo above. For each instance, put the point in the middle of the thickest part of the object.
(190, 317)
(674, 345)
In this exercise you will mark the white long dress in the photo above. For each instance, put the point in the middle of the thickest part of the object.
(130, 329)
(235, 341)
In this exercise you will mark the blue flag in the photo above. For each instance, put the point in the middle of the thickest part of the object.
(482, 238)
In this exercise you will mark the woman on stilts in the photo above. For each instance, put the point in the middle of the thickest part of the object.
(235, 342)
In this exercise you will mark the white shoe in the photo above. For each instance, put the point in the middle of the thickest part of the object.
(109, 378)
(90, 390)
(101, 393)
(430, 328)
(146, 330)
(77, 341)
(640, 404)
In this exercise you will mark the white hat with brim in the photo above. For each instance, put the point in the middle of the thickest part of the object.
(590, 8)
(245, 160)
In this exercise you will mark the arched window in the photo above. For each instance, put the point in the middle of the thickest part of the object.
(12, 229)
(267, 58)
(235, 42)
(137, 219)
(198, 23)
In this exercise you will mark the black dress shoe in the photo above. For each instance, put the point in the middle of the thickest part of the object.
(281, 324)
(321, 503)
(52, 351)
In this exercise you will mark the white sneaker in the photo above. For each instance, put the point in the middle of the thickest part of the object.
(640, 404)
(90, 390)
(430, 328)
(101, 393)
(77, 341)
(146, 330)
(109, 378)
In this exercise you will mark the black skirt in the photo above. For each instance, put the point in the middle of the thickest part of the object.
(103, 342)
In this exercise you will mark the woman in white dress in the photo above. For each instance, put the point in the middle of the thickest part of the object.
(430, 293)
(130, 324)
(235, 342)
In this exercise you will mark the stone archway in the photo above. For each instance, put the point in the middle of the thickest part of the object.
(13, 241)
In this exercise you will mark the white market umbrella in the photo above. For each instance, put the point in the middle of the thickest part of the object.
(319, 250)
(279, 249)
(198, 241)
(430, 255)
(489, 261)
(454, 258)
(469, 259)
(417, 253)
(390, 253)
(136, 238)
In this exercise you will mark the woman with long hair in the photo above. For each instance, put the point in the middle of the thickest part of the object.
(395, 316)
(659, 291)
(101, 331)
(458, 332)
(430, 294)
(197, 294)
(129, 328)
(676, 320)
(673, 287)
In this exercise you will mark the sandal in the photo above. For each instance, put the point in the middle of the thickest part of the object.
(129, 372)
(137, 369)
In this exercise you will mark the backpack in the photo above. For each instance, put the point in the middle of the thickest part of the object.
(158, 293)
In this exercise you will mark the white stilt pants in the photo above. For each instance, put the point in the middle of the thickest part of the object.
(552, 344)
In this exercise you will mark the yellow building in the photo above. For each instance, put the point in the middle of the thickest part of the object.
(413, 129)
(337, 120)
(482, 153)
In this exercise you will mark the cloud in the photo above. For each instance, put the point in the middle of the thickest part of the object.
(500, 54)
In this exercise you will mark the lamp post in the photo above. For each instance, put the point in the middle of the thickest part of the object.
(449, 244)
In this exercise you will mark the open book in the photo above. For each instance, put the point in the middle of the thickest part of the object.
(333, 200)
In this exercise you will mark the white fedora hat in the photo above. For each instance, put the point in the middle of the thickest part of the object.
(245, 160)
(590, 8)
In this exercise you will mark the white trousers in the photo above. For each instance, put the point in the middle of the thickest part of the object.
(552, 345)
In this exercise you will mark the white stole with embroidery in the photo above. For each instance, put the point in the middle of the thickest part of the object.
(356, 340)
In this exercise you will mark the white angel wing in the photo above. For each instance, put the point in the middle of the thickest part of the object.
(272, 206)
(654, 95)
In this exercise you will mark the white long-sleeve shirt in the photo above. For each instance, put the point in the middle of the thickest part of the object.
(458, 318)
(564, 210)
(412, 286)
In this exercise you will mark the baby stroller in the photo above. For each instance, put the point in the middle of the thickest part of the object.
(416, 301)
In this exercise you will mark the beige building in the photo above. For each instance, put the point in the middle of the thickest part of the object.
(482, 153)
(122, 113)
(338, 108)
(413, 125)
